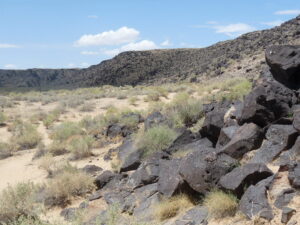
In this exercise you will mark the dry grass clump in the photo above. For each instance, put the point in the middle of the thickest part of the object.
(155, 139)
(5, 150)
(66, 130)
(66, 185)
(171, 207)
(6, 102)
(53, 116)
(132, 100)
(80, 146)
(17, 201)
(87, 107)
(3, 118)
(220, 204)
(152, 96)
(184, 110)
(25, 135)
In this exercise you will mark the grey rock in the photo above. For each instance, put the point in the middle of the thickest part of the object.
(195, 216)
(284, 198)
(286, 215)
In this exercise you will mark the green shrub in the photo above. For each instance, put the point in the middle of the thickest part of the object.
(57, 148)
(68, 184)
(155, 139)
(2, 118)
(80, 147)
(17, 201)
(87, 107)
(66, 130)
(25, 135)
(220, 204)
(132, 100)
(5, 150)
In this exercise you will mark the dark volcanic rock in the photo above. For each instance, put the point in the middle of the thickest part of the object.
(244, 176)
(69, 214)
(214, 121)
(195, 216)
(203, 169)
(284, 198)
(92, 169)
(289, 157)
(279, 138)
(185, 138)
(287, 214)
(170, 182)
(129, 156)
(107, 177)
(254, 202)
(246, 138)
(267, 102)
(226, 135)
(294, 175)
(296, 120)
(284, 62)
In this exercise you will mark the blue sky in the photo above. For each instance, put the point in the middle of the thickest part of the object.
(79, 33)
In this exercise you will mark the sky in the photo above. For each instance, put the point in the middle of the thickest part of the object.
(80, 33)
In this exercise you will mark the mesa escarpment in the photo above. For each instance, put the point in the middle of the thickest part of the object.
(142, 67)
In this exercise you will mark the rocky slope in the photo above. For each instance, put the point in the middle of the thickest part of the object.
(249, 149)
(140, 67)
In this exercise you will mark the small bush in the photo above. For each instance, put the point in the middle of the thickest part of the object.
(66, 130)
(5, 150)
(220, 204)
(80, 147)
(132, 100)
(155, 139)
(87, 107)
(2, 118)
(171, 207)
(17, 201)
(25, 135)
(152, 96)
(64, 186)
(40, 151)
(57, 148)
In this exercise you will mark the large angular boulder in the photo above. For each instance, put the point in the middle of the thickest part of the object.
(284, 198)
(195, 216)
(296, 119)
(279, 138)
(214, 121)
(294, 175)
(284, 62)
(104, 178)
(267, 102)
(226, 134)
(255, 202)
(169, 181)
(129, 156)
(202, 169)
(148, 171)
(246, 138)
(289, 157)
(244, 176)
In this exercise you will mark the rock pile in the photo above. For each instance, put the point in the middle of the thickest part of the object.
(266, 125)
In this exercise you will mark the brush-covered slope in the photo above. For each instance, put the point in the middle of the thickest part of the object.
(140, 67)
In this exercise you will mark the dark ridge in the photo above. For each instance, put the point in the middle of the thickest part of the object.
(144, 67)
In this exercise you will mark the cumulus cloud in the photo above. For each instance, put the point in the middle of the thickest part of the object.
(288, 12)
(93, 17)
(233, 30)
(133, 46)
(10, 66)
(273, 23)
(166, 43)
(89, 53)
(8, 46)
(112, 37)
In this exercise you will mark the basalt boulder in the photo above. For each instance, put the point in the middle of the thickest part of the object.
(246, 138)
(244, 176)
(284, 62)
(203, 169)
(267, 102)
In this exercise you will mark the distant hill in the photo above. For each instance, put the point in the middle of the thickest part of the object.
(166, 65)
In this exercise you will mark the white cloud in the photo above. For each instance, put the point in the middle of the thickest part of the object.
(93, 17)
(112, 37)
(89, 53)
(10, 66)
(71, 65)
(84, 64)
(234, 29)
(273, 23)
(166, 43)
(133, 46)
(8, 46)
(288, 12)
